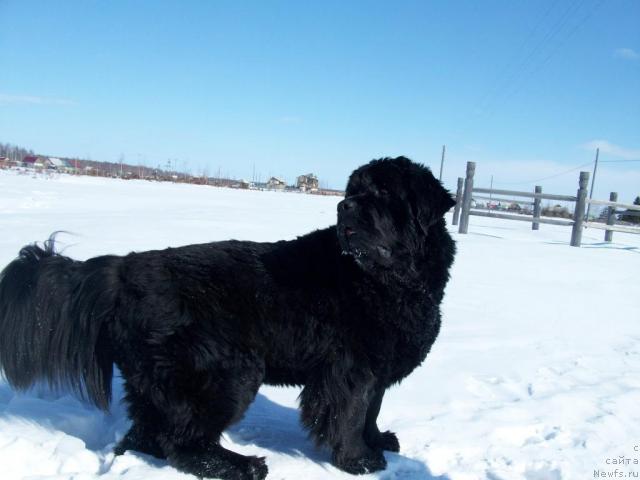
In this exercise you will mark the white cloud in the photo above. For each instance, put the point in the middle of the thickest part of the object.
(6, 99)
(626, 53)
(610, 149)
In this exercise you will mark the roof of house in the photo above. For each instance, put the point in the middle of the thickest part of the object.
(58, 162)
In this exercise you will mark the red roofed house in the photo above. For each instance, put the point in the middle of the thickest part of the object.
(35, 161)
(30, 161)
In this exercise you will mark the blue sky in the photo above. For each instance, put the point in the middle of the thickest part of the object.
(525, 89)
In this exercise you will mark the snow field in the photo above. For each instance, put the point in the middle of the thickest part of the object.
(535, 375)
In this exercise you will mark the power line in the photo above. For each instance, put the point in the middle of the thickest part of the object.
(550, 176)
(514, 58)
(564, 40)
(564, 172)
(621, 161)
(502, 80)
(529, 65)
(525, 61)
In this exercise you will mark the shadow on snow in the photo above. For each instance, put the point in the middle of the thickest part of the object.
(267, 424)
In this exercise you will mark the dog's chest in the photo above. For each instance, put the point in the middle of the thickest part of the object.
(405, 330)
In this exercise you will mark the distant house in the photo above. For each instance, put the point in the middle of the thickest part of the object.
(307, 183)
(30, 161)
(40, 163)
(59, 165)
(6, 162)
(242, 184)
(36, 161)
(276, 183)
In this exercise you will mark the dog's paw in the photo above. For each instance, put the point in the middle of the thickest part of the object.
(371, 462)
(120, 448)
(388, 441)
(219, 463)
(148, 447)
(384, 441)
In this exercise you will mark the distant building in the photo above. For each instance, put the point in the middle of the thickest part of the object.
(242, 184)
(329, 191)
(307, 183)
(38, 162)
(30, 161)
(276, 183)
(59, 165)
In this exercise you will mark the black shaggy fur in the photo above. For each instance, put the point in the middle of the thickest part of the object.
(344, 312)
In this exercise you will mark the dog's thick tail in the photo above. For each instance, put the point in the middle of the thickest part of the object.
(54, 314)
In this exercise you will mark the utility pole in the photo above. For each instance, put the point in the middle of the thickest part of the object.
(441, 162)
(593, 180)
(491, 194)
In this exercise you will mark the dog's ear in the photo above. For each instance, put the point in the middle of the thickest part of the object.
(433, 202)
(447, 201)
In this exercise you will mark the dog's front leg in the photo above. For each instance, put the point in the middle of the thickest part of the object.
(372, 435)
(334, 408)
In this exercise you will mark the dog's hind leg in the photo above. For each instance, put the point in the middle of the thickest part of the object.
(334, 408)
(143, 434)
(140, 438)
(372, 435)
(197, 408)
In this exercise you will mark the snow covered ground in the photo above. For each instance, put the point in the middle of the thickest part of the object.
(536, 374)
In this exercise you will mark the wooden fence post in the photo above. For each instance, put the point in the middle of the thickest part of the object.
(456, 210)
(611, 218)
(466, 198)
(578, 214)
(536, 209)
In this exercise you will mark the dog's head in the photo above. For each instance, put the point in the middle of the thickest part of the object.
(390, 204)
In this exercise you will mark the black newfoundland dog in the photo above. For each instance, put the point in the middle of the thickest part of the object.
(344, 312)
